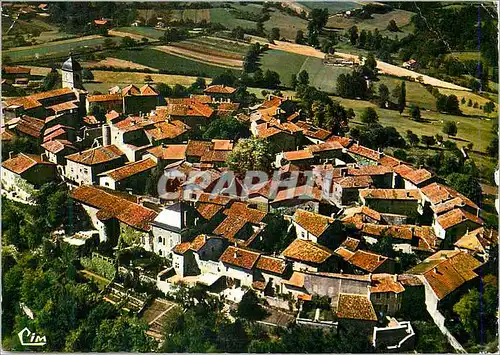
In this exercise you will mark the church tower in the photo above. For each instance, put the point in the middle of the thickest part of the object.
(72, 74)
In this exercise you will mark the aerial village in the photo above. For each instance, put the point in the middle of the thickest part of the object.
(223, 241)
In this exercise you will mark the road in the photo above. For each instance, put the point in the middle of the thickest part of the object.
(383, 67)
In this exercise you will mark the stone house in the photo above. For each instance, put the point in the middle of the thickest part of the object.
(454, 224)
(346, 190)
(24, 173)
(56, 152)
(396, 201)
(220, 93)
(131, 177)
(238, 264)
(386, 294)
(307, 255)
(84, 167)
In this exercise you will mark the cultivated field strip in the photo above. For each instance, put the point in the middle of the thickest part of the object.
(216, 60)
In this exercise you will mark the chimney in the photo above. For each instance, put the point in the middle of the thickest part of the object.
(235, 254)
(10, 154)
(435, 270)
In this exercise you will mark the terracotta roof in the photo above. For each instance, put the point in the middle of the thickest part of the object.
(169, 151)
(26, 102)
(390, 194)
(302, 192)
(216, 199)
(296, 280)
(356, 182)
(58, 145)
(314, 223)
(112, 115)
(130, 169)
(355, 307)
(58, 133)
(90, 120)
(409, 280)
(23, 162)
(344, 141)
(323, 147)
(198, 148)
(271, 264)
(344, 253)
(227, 107)
(298, 155)
(204, 99)
(386, 283)
(16, 70)
(100, 22)
(367, 261)
(350, 244)
(222, 144)
(363, 210)
(239, 257)
(104, 98)
(195, 245)
(394, 231)
(134, 123)
(238, 215)
(264, 131)
(417, 176)
(7, 135)
(455, 217)
(63, 106)
(148, 90)
(478, 240)
(97, 155)
(208, 210)
(307, 251)
(56, 127)
(130, 90)
(167, 130)
(369, 170)
(364, 152)
(219, 89)
(190, 107)
(215, 156)
(53, 93)
(311, 130)
(31, 126)
(112, 205)
(389, 161)
(447, 270)
(438, 193)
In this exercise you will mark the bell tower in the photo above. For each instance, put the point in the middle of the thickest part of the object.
(72, 74)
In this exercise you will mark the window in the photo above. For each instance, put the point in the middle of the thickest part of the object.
(106, 183)
(378, 296)
(159, 252)
(159, 239)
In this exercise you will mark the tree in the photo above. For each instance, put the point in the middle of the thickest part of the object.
(299, 37)
(226, 78)
(469, 103)
(294, 81)
(383, 94)
(492, 148)
(489, 107)
(362, 39)
(164, 89)
(108, 43)
(226, 128)
(144, 40)
(428, 140)
(463, 101)
(353, 35)
(450, 128)
(371, 62)
(303, 78)
(415, 112)
(350, 113)
(274, 34)
(412, 138)
(250, 154)
(124, 334)
(249, 307)
(179, 91)
(198, 86)
(402, 98)
(369, 115)
(467, 184)
(271, 79)
(238, 32)
(52, 81)
(87, 74)
(392, 26)
(128, 42)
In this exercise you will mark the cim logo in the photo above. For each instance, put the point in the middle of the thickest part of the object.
(27, 338)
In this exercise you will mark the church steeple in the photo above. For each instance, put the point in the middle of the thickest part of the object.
(72, 74)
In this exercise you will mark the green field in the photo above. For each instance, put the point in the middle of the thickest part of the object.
(226, 19)
(288, 25)
(415, 92)
(475, 130)
(253, 8)
(323, 77)
(53, 48)
(284, 63)
(212, 43)
(332, 6)
(170, 63)
(142, 31)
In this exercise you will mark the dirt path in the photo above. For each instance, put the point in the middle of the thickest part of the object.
(202, 58)
(383, 67)
(117, 63)
(131, 35)
(71, 40)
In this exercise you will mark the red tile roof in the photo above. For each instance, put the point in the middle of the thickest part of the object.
(111, 205)
(307, 251)
(390, 194)
(23, 162)
(219, 89)
(355, 307)
(312, 131)
(208, 210)
(148, 90)
(31, 126)
(369, 170)
(16, 70)
(238, 215)
(455, 217)
(239, 257)
(104, 98)
(169, 151)
(189, 107)
(350, 244)
(447, 270)
(438, 193)
(364, 152)
(97, 155)
(298, 155)
(382, 283)
(58, 145)
(417, 176)
(130, 169)
(195, 245)
(130, 90)
(314, 223)
(323, 147)
(389, 161)
(271, 264)
(367, 261)
(167, 130)
(356, 182)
